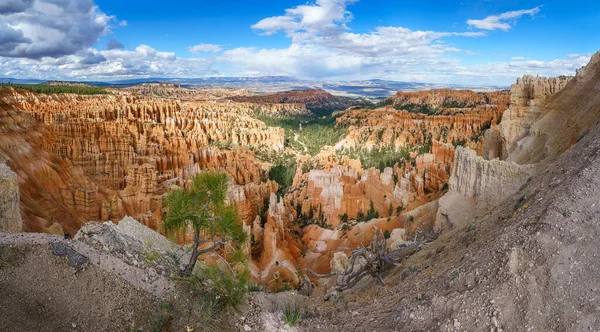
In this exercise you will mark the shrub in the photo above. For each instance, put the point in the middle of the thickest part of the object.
(343, 218)
(292, 313)
(379, 157)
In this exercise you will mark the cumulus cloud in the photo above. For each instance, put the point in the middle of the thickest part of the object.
(322, 46)
(113, 44)
(212, 48)
(46, 28)
(495, 22)
(143, 61)
(324, 17)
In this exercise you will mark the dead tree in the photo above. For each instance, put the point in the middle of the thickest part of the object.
(374, 259)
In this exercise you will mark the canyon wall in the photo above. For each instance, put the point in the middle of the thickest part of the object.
(528, 96)
(10, 214)
(476, 186)
(533, 90)
(545, 118)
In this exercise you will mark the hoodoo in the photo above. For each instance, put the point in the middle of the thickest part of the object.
(370, 175)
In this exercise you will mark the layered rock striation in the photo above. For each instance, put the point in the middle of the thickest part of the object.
(10, 214)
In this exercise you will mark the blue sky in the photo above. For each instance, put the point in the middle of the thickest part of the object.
(467, 42)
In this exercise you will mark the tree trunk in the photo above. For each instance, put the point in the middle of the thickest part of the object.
(187, 272)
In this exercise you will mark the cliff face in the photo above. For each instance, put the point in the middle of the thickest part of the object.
(533, 90)
(98, 158)
(545, 118)
(476, 186)
(344, 187)
(10, 214)
(402, 129)
(449, 99)
(175, 91)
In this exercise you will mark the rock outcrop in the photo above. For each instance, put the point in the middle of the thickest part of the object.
(533, 90)
(526, 138)
(387, 127)
(476, 186)
(85, 158)
(444, 100)
(10, 214)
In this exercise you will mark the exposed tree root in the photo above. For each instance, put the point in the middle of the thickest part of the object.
(373, 260)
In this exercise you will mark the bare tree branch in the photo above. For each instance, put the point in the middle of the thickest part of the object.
(373, 260)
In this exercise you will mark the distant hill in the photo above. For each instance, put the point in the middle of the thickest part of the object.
(318, 101)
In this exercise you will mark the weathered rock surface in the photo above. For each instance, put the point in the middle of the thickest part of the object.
(533, 90)
(528, 97)
(10, 213)
(477, 185)
(83, 158)
(445, 100)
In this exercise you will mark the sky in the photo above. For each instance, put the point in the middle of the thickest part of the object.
(462, 42)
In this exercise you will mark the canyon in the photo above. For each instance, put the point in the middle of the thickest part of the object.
(475, 167)
(103, 157)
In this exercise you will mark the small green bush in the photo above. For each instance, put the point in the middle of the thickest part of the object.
(292, 313)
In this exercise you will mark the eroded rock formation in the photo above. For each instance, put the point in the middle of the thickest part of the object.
(10, 214)
(84, 158)
(525, 140)
(476, 186)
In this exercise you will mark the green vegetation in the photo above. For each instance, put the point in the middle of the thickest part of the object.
(459, 142)
(292, 313)
(379, 157)
(225, 290)
(307, 134)
(52, 89)
(371, 214)
(382, 103)
(203, 209)
(343, 218)
(283, 175)
(162, 321)
(417, 108)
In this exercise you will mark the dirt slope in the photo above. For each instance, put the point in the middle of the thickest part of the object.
(532, 263)
(40, 292)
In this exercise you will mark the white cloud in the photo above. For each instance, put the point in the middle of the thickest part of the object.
(212, 48)
(144, 61)
(45, 28)
(123, 23)
(322, 46)
(324, 17)
(495, 22)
